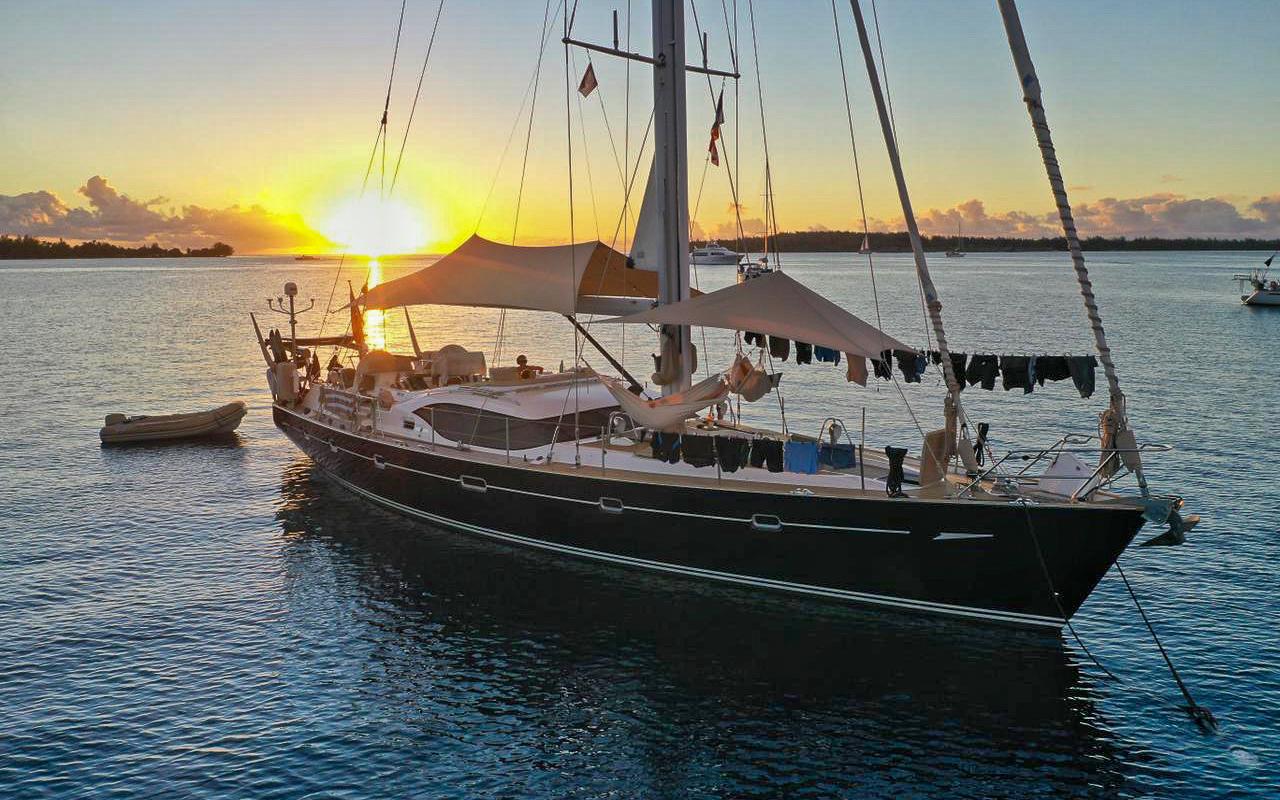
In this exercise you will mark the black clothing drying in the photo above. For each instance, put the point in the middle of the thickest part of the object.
(732, 452)
(957, 365)
(893, 482)
(982, 369)
(980, 446)
(1051, 368)
(907, 363)
(957, 368)
(804, 353)
(826, 354)
(882, 367)
(666, 447)
(699, 450)
(767, 452)
(779, 348)
(754, 338)
(1017, 373)
(1082, 373)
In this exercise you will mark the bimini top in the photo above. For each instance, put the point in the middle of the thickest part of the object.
(492, 275)
(778, 305)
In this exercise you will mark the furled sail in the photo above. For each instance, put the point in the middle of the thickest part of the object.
(487, 274)
(646, 246)
(778, 305)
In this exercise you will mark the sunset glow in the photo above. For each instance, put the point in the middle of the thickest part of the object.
(374, 227)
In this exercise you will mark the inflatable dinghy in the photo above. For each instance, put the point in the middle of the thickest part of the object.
(120, 429)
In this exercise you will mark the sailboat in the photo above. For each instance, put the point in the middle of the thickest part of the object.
(958, 250)
(1263, 290)
(594, 465)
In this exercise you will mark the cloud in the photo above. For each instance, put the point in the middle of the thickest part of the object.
(116, 217)
(1159, 215)
(1171, 215)
(1169, 178)
(1268, 208)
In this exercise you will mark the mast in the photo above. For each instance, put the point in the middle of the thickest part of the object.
(671, 170)
(932, 303)
(1040, 124)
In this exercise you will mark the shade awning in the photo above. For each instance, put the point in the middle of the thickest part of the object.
(487, 274)
(778, 305)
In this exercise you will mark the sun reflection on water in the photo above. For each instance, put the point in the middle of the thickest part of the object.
(375, 330)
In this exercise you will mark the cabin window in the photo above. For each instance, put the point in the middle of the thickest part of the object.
(483, 428)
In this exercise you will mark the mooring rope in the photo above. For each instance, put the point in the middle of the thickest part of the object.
(1044, 570)
(1199, 714)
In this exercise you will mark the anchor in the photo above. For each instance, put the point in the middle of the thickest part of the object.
(1179, 526)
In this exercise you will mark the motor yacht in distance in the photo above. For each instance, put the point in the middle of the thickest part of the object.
(713, 253)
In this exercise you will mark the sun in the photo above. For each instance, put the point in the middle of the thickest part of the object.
(375, 227)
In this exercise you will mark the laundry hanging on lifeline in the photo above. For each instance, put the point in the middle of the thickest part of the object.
(1023, 372)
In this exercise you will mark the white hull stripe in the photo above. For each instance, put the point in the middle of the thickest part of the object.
(748, 580)
(947, 536)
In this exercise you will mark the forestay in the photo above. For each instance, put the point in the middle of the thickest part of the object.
(778, 305)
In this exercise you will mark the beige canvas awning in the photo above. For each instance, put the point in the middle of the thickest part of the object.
(778, 305)
(492, 275)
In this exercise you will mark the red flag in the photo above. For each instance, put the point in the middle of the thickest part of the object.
(715, 130)
(589, 82)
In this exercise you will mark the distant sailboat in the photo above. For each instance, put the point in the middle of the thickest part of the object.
(958, 250)
(866, 245)
(1263, 290)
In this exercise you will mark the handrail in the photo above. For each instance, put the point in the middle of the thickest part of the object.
(1035, 455)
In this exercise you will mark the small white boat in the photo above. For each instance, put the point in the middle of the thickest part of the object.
(713, 253)
(753, 269)
(121, 429)
(1262, 291)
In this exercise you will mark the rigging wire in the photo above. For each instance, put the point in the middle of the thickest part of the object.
(417, 93)
(586, 153)
(547, 21)
(381, 137)
(515, 125)
(893, 127)
(770, 216)
(573, 252)
(884, 70)
(862, 211)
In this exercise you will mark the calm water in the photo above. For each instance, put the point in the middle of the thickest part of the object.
(218, 621)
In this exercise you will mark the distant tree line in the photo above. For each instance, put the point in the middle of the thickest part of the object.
(31, 247)
(846, 241)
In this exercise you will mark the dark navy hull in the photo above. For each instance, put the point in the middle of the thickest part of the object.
(963, 558)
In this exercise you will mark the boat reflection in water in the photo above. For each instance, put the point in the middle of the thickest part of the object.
(493, 655)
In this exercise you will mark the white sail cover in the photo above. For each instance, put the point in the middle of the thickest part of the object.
(491, 275)
(778, 305)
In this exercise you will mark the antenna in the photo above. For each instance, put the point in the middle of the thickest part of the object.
(277, 305)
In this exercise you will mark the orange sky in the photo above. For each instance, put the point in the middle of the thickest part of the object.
(184, 124)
